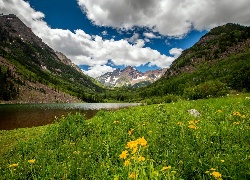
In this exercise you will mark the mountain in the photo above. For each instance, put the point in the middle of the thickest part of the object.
(130, 77)
(217, 63)
(31, 71)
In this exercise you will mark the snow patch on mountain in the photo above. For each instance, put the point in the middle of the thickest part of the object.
(130, 77)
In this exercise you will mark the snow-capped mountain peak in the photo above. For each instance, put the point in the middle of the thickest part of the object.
(130, 76)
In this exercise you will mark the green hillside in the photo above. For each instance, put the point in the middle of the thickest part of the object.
(219, 62)
(28, 63)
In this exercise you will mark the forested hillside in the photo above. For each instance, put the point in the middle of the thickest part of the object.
(33, 72)
(219, 62)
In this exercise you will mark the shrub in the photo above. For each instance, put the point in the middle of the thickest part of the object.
(206, 90)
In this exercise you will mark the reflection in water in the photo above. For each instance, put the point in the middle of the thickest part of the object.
(30, 115)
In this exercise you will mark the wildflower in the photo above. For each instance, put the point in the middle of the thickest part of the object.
(130, 131)
(134, 150)
(140, 158)
(180, 123)
(244, 116)
(142, 141)
(124, 154)
(194, 122)
(127, 162)
(132, 144)
(216, 175)
(133, 175)
(31, 161)
(13, 165)
(219, 111)
(212, 169)
(222, 161)
(236, 123)
(166, 168)
(236, 113)
(193, 126)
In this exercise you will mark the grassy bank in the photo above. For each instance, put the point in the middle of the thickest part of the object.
(146, 142)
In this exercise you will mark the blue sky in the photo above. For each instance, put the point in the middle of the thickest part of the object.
(100, 36)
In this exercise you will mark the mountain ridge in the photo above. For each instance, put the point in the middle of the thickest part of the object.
(33, 72)
(130, 76)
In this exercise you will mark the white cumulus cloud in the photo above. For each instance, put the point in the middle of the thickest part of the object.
(168, 17)
(84, 49)
(150, 35)
(175, 51)
(98, 70)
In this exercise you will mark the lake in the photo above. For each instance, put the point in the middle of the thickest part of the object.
(14, 116)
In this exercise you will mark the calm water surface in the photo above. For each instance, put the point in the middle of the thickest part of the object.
(14, 116)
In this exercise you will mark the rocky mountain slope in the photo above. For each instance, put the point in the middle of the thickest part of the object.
(218, 44)
(31, 71)
(219, 61)
(130, 77)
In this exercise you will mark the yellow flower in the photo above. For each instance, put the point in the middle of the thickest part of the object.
(142, 141)
(133, 175)
(222, 161)
(236, 123)
(130, 131)
(212, 169)
(244, 116)
(134, 150)
(216, 175)
(127, 162)
(219, 111)
(193, 126)
(31, 161)
(236, 113)
(140, 158)
(180, 123)
(13, 165)
(166, 168)
(194, 122)
(124, 154)
(132, 144)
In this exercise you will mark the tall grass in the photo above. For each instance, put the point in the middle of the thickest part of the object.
(147, 142)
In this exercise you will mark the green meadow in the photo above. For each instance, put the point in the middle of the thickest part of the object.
(160, 141)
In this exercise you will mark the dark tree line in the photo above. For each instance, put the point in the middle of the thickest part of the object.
(8, 91)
